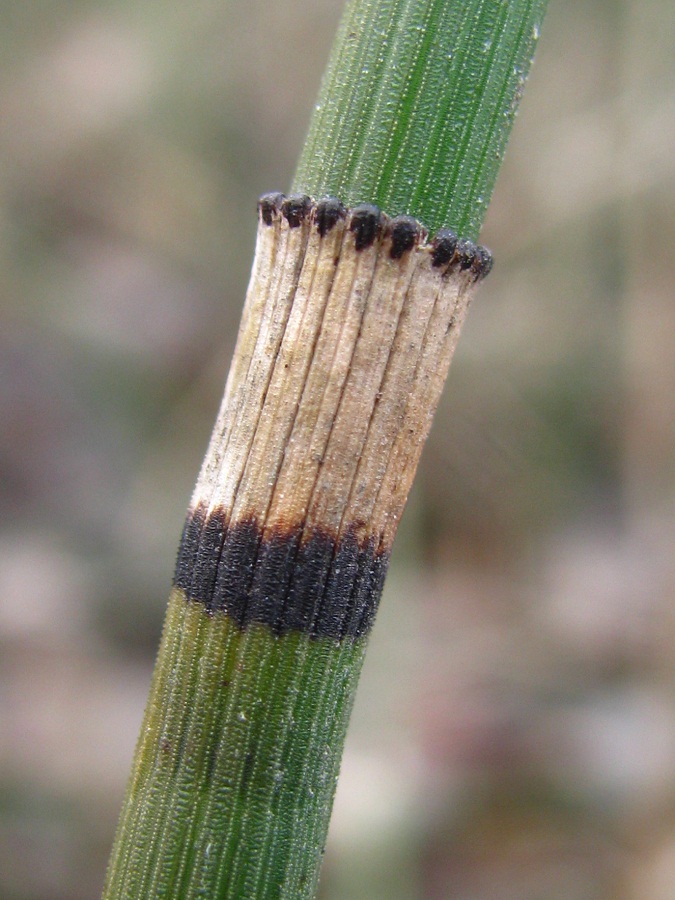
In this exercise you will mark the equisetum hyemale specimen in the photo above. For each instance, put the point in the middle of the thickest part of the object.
(349, 325)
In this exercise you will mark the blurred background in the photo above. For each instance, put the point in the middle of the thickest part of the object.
(514, 736)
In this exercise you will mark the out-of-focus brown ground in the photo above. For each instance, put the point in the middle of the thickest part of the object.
(514, 737)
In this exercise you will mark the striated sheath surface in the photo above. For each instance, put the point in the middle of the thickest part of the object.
(349, 327)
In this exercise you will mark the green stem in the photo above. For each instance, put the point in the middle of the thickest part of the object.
(346, 336)
(417, 105)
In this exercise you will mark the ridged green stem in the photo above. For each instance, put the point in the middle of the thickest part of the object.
(236, 764)
(417, 104)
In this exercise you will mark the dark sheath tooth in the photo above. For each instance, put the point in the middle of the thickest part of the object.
(327, 213)
(466, 250)
(405, 232)
(296, 208)
(482, 262)
(269, 206)
(366, 224)
(444, 245)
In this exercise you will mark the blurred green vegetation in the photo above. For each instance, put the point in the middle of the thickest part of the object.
(515, 727)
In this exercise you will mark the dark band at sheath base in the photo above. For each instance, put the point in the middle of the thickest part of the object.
(286, 580)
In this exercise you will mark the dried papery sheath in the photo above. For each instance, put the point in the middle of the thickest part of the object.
(349, 327)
